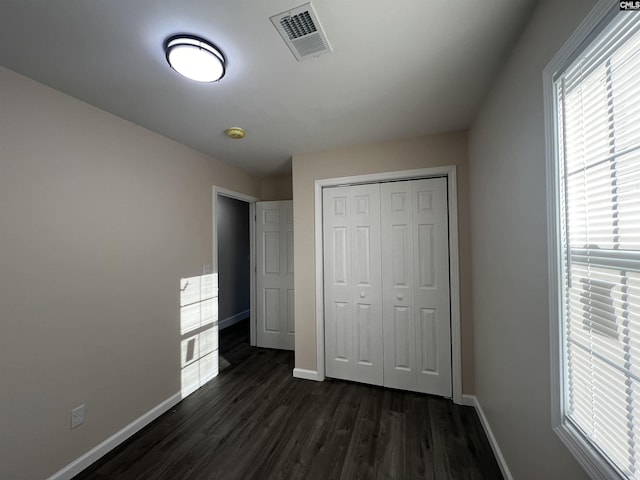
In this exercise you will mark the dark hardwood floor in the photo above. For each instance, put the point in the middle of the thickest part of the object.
(255, 421)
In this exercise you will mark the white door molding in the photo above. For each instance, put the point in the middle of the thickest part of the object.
(252, 245)
(454, 264)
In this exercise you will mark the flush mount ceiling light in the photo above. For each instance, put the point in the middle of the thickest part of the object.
(195, 58)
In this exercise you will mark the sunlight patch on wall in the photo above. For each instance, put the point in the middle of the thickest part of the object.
(198, 330)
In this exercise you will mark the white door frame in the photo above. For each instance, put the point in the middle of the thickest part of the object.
(454, 275)
(252, 246)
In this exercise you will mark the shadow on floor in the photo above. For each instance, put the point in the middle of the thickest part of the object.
(233, 344)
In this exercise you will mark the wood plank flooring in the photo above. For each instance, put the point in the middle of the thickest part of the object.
(254, 421)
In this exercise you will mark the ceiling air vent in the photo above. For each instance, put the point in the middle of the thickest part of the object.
(302, 32)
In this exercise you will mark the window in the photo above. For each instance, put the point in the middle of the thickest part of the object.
(595, 210)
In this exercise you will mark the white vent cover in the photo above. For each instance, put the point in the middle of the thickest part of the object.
(302, 32)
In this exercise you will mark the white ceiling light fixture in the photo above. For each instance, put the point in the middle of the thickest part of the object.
(195, 58)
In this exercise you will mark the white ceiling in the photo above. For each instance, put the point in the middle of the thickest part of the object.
(398, 68)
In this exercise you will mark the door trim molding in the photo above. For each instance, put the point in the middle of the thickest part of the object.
(449, 172)
(216, 190)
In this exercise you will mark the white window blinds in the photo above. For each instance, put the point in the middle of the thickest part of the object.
(598, 106)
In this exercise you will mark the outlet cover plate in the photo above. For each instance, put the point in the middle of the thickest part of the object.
(77, 416)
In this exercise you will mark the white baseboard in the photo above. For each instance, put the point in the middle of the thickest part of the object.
(472, 401)
(306, 374)
(469, 400)
(114, 440)
(232, 320)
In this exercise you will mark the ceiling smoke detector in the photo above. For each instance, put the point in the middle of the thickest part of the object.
(301, 31)
(235, 132)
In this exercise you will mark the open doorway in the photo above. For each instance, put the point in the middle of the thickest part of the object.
(234, 263)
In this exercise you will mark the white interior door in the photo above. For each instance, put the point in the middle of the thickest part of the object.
(353, 307)
(274, 276)
(415, 282)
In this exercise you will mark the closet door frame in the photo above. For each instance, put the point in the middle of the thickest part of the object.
(449, 172)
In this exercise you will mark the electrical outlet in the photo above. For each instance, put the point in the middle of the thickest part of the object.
(77, 416)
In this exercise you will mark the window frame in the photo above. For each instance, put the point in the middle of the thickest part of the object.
(596, 464)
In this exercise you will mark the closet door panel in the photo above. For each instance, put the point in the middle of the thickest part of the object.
(366, 291)
(397, 231)
(337, 279)
(433, 317)
(352, 283)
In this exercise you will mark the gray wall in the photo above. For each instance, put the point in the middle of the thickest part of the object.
(509, 252)
(234, 261)
(99, 220)
(276, 188)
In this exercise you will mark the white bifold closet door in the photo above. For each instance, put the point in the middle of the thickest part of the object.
(386, 267)
(274, 275)
(415, 285)
(353, 294)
